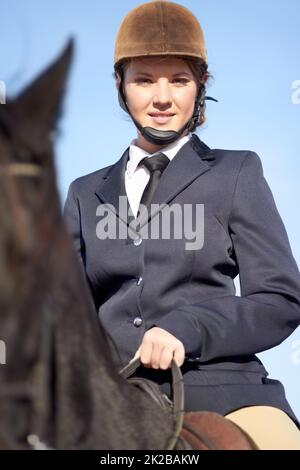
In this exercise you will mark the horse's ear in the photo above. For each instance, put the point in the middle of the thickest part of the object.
(40, 103)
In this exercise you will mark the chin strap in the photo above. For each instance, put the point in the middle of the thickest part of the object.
(159, 137)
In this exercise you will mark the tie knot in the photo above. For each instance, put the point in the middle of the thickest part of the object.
(157, 162)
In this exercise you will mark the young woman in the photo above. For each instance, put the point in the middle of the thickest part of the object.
(162, 297)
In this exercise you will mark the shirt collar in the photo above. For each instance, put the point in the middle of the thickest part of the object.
(136, 154)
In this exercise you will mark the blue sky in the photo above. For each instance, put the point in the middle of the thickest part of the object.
(253, 48)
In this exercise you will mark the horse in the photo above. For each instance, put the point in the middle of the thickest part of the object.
(60, 387)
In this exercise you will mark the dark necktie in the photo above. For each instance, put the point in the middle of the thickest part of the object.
(156, 165)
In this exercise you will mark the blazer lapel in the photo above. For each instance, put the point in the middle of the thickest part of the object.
(188, 164)
(112, 187)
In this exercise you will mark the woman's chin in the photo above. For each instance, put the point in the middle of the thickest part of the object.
(167, 126)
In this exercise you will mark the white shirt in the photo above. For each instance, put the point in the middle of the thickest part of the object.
(136, 178)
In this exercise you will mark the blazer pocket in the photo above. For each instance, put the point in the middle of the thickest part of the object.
(223, 377)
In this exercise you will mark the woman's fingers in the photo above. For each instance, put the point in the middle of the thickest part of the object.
(179, 355)
(137, 354)
(166, 358)
(146, 351)
(156, 356)
(158, 348)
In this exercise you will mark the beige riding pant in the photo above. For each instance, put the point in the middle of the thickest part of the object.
(269, 427)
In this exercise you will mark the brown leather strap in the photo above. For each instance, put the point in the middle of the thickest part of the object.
(20, 169)
(178, 394)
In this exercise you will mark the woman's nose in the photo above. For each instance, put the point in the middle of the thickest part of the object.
(162, 93)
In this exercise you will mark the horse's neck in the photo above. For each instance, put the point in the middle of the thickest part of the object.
(98, 409)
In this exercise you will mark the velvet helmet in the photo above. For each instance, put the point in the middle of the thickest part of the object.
(161, 28)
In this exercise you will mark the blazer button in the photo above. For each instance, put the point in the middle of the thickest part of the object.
(137, 321)
(137, 241)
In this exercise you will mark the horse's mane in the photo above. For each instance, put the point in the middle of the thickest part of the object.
(61, 381)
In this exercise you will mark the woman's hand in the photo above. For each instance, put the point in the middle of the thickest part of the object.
(158, 348)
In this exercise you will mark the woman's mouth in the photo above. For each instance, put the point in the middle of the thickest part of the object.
(161, 118)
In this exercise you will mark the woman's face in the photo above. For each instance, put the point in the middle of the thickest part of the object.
(160, 92)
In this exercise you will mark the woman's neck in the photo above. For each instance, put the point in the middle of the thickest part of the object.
(148, 146)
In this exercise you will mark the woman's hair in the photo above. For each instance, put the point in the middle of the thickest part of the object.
(199, 69)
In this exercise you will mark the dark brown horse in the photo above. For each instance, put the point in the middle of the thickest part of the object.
(60, 386)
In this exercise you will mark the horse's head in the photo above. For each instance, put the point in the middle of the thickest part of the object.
(30, 221)
(27, 176)
(59, 385)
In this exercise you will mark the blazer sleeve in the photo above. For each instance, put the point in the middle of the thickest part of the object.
(268, 309)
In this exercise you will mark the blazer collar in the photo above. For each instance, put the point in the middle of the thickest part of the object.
(189, 163)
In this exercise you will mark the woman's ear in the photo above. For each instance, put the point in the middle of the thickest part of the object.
(118, 81)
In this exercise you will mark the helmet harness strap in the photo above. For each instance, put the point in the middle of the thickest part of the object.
(159, 137)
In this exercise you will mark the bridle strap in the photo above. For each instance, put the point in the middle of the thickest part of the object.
(19, 390)
(178, 395)
(20, 169)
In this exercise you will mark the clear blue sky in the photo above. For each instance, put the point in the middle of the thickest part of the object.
(254, 50)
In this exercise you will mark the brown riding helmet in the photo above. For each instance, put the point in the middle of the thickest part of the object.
(160, 28)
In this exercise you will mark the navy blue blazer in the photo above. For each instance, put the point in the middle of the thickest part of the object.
(139, 283)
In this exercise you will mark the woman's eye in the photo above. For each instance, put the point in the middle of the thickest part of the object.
(143, 80)
(184, 81)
